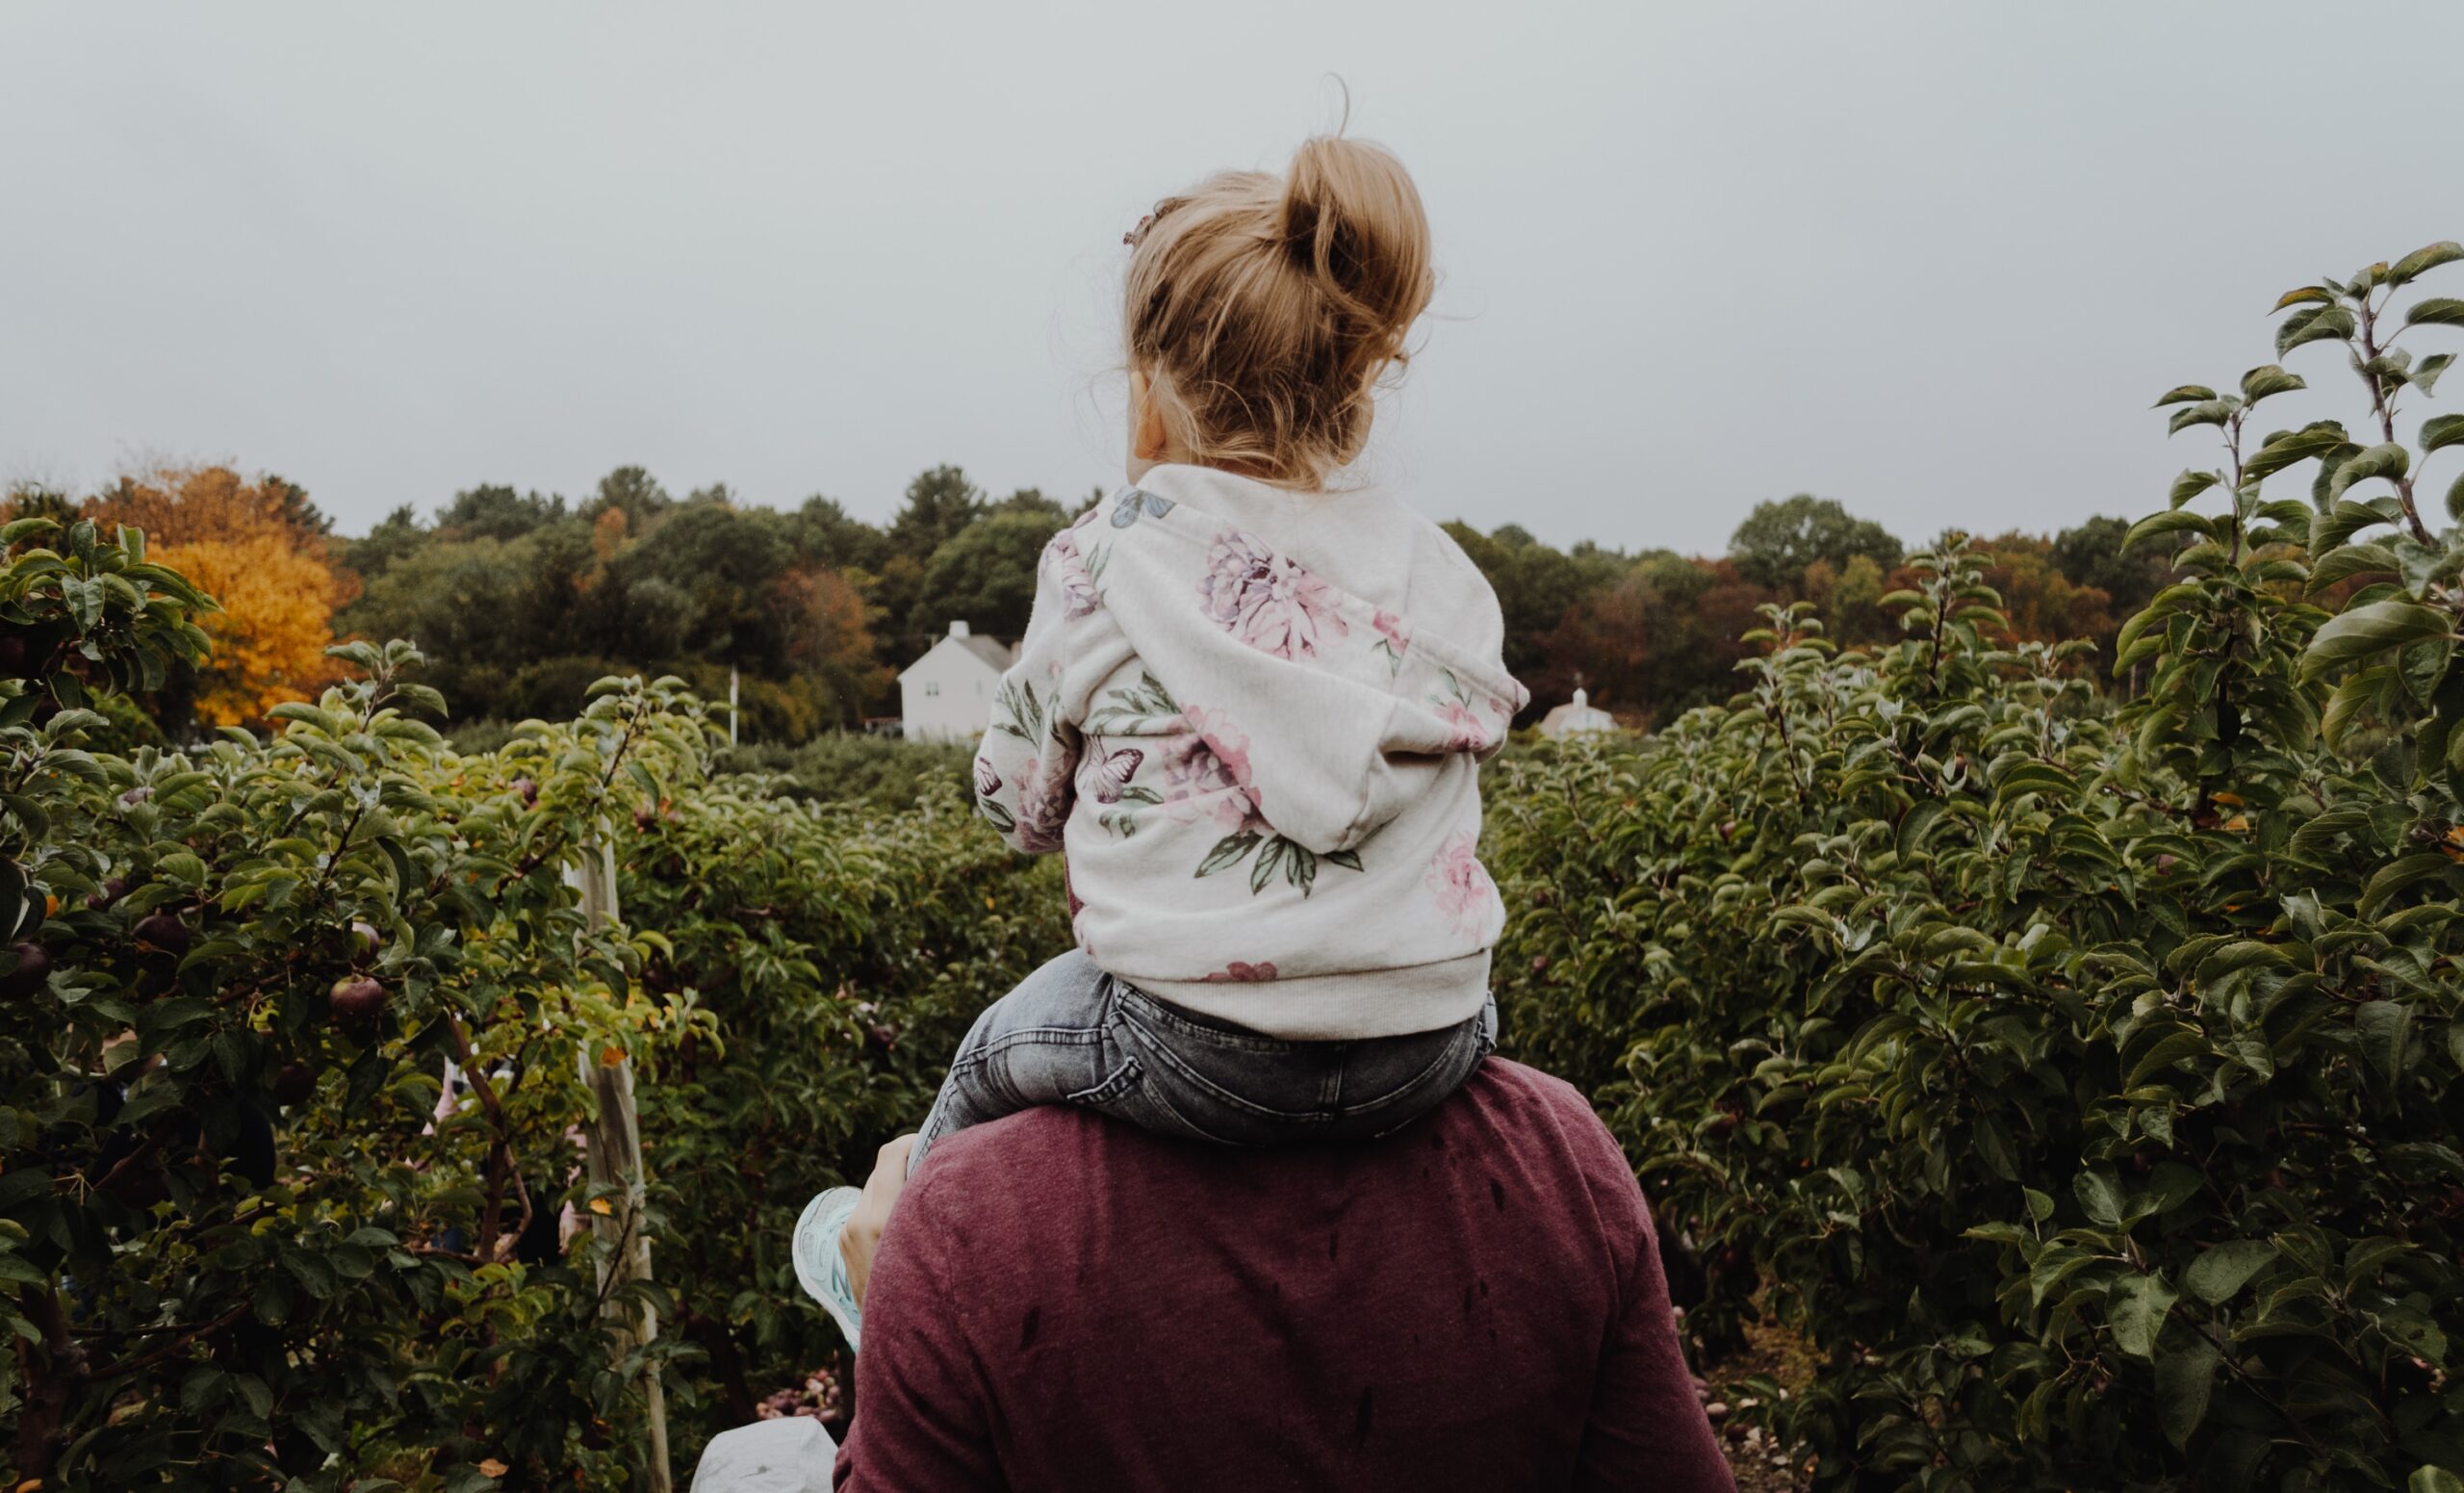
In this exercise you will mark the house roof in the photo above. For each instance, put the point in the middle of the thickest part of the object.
(1573, 717)
(995, 655)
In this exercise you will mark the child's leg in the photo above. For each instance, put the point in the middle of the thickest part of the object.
(1041, 1043)
(1045, 1042)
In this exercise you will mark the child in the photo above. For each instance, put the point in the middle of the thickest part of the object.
(1251, 710)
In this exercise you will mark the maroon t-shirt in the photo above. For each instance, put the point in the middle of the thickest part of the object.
(1069, 1304)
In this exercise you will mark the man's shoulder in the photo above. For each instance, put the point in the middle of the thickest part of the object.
(1518, 1084)
(1501, 1101)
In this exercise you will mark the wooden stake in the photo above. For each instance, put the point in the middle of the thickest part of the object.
(613, 1157)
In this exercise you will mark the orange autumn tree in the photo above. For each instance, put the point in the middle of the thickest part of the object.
(263, 551)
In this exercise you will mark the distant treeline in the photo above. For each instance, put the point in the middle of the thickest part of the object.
(522, 599)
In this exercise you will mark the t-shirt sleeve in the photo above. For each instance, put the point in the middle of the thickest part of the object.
(922, 1416)
(1647, 1428)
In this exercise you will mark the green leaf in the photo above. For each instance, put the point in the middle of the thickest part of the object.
(2442, 430)
(2383, 1026)
(2135, 1309)
(1228, 851)
(2190, 484)
(2180, 521)
(1270, 861)
(2436, 311)
(2318, 324)
(2345, 520)
(2101, 1196)
(2393, 877)
(2184, 1377)
(2368, 630)
(2348, 562)
(2269, 379)
(2365, 689)
(1914, 824)
(2423, 565)
(2223, 1269)
(2389, 460)
(2425, 372)
(2427, 257)
(2183, 395)
(2210, 412)
(2433, 1479)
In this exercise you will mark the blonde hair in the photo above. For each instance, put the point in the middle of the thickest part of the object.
(1264, 310)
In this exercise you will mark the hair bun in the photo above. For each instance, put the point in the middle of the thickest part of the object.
(1352, 222)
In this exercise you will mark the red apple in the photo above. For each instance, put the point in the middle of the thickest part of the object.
(357, 1000)
(165, 932)
(32, 967)
(294, 1083)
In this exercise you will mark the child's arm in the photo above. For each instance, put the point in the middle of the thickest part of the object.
(1026, 770)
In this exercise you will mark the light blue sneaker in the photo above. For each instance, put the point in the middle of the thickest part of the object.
(820, 1268)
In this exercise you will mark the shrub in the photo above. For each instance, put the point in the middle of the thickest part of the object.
(246, 1238)
(837, 954)
(838, 767)
(239, 1234)
(2084, 1092)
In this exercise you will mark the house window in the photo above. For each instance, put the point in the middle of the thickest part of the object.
(931, 689)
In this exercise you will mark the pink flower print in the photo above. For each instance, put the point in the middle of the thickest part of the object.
(988, 781)
(1043, 807)
(1461, 885)
(1077, 581)
(1466, 731)
(1391, 628)
(1393, 639)
(1211, 760)
(1239, 972)
(1266, 600)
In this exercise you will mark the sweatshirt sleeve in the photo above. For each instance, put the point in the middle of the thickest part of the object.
(1026, 770)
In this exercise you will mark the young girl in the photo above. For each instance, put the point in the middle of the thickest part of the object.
(1251, 710)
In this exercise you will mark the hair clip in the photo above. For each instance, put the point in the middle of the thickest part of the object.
(1132, 237)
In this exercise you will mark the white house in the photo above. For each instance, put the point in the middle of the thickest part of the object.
(1579, 717)
(947, 694)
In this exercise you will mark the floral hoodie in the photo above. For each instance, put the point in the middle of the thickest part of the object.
(1253, 718)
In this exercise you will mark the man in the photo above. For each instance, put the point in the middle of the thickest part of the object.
(1474, 1302)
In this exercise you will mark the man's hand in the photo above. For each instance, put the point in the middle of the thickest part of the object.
(861, 1239)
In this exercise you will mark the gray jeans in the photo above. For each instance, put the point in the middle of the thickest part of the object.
(1071, 1034)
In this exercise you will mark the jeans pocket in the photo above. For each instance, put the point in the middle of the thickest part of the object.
(1122, 1081)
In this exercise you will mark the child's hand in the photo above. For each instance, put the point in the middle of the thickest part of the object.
(861, 1239)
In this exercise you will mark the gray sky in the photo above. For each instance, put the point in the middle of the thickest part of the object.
(1932, 260)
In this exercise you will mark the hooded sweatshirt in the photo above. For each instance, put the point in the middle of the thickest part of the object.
(1254, 719)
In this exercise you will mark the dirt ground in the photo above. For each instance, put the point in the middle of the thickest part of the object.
(1761, 1465)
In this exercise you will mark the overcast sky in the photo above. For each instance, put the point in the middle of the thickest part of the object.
(1932, 260)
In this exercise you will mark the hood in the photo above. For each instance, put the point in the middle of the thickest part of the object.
(1331, 708)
